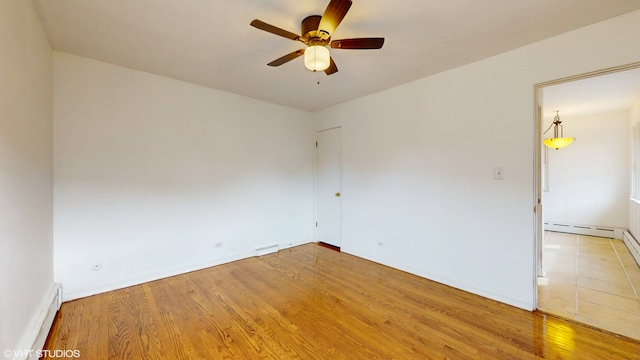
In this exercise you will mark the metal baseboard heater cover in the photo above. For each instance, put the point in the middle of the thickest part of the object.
(264, 250)
(590, 230)
(633, 245)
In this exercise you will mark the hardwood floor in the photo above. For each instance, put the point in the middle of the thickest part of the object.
(310, 302)
(592, 280)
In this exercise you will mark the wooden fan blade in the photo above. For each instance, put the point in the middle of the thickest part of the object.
(286, 58)
(273, 29)
(333, 15)
(332, 69)
(358, 43)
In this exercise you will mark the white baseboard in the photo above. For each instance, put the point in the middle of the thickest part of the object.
(36, 334)
(72, 294)
(144, 278)
(519, 303)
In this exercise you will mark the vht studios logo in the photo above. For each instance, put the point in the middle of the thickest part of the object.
(21, 354)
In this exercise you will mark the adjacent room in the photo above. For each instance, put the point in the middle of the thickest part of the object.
(168, 170)
(589, 272)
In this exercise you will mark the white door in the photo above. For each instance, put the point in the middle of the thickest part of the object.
(328, 154)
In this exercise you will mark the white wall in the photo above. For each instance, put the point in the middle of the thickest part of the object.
(589, 180)
(634, 113)
(26, 270)
(151, 173)
(418, 163)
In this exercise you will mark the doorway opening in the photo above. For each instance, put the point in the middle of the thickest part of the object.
(584, 188)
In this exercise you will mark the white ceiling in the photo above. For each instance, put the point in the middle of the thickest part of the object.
(598, 94)
(210, 42)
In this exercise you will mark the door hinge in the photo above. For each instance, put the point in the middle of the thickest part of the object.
(316, 224)
(316, 144)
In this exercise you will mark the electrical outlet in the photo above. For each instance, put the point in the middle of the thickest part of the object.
(380, 244)
(217, 245)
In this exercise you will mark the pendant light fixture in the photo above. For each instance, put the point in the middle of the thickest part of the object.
(557, 142)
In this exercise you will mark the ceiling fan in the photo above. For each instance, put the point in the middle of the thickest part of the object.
(316, 34)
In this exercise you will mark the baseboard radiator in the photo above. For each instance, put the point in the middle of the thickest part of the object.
(36, 335)
(633, 245)
(632, 236)
(264, 250)
(590, 230)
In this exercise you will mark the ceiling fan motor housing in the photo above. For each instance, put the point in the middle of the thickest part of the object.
(309, 31)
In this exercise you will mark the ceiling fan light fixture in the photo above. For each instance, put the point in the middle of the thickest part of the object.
(317, 58)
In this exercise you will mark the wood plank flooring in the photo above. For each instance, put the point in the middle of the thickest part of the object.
(591, 280)
(310, 302)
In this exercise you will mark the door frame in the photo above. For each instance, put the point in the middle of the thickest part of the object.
(316, 194)
(538, 230)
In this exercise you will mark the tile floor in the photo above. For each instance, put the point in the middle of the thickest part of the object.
(592, 280)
